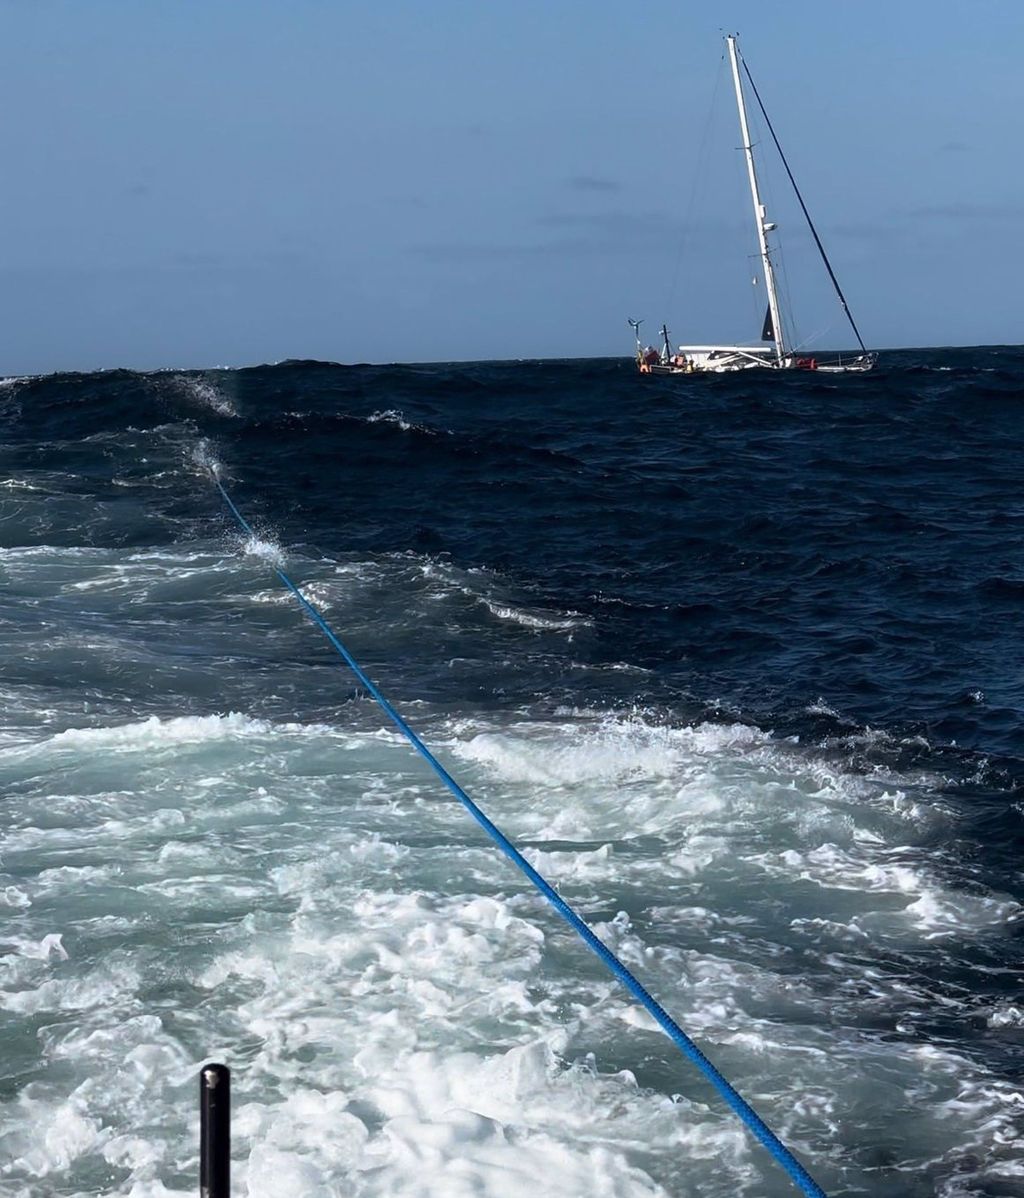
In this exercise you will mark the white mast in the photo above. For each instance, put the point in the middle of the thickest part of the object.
(760, 219)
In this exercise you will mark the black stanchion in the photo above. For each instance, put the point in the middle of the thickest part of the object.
(214, 1131)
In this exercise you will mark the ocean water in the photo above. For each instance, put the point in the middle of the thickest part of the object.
(736, 661)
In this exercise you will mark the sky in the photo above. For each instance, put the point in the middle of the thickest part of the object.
(226, 182)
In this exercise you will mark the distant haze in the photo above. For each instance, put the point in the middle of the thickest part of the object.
(220, 183)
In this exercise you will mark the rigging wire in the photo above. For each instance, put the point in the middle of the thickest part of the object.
(807, 342)
(700, 176)
(807, 215)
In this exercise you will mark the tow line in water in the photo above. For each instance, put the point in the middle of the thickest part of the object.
(754, 1123)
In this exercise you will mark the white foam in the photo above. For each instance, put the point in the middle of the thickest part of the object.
(534, 619)
(60, 1140)
(205, 394)
(204, 457)
(317, 594)
(480, 588)
(1006, 1016)
(179, 730)
(393, 416)
(267, 550)
(50, 945)
(155, 732)
(101, 992)
(19, 484)
(617, 750)
(941, 914)
(404, 1017)
(561, 866)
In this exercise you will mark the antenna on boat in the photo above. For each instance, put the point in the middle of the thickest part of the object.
(635, 326)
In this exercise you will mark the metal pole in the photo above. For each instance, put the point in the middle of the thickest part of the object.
(760, 219)
(214, 1131)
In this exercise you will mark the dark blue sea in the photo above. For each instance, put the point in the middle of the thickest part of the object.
(736, 660)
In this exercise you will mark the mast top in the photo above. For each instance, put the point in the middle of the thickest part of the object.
(761, 222)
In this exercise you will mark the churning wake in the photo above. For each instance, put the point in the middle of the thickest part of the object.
(712, 668)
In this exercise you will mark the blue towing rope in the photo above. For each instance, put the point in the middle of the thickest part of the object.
(735, 1100)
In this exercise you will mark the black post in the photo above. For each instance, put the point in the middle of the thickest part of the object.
(214, 1131)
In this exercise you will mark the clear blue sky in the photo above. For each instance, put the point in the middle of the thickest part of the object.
(205, 182)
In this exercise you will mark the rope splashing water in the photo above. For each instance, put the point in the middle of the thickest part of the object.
(754, 1123)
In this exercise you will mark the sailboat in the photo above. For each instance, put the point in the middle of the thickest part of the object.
(776, 353)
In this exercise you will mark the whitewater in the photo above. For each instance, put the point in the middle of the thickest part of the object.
(735, 667)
